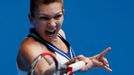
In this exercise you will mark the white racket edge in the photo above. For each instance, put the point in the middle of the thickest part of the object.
(77, 66)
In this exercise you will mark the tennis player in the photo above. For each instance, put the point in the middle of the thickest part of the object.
(46, 43)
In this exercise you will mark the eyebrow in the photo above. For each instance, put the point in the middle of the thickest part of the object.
(49, 15)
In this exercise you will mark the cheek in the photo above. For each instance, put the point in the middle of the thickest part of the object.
(40, 26)
(60, 22)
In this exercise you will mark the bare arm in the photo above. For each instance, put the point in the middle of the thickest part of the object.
(33, 49)
(96, 61)
(30, 49)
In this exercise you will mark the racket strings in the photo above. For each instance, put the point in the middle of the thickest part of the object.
(58, 66)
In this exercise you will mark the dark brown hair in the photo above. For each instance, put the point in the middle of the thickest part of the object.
(35, 3)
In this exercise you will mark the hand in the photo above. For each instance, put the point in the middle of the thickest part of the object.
(100, 61)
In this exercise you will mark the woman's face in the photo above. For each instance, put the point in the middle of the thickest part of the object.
(48, 20)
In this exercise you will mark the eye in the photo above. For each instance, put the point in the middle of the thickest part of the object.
(57, 17)
(44, 18)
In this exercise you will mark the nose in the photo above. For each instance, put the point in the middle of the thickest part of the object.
(52, 24)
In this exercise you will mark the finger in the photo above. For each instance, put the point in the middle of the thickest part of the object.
(81, 57)
(105, 62)
(103, 53)
(108, 69)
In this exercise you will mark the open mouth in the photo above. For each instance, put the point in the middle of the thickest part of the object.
(50, 33)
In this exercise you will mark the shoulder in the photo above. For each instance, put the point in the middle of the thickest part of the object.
(30, 49)
(61, 32)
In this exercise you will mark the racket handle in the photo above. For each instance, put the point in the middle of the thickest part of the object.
(77, 66)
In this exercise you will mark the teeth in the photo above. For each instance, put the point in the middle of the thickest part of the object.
(51, 30)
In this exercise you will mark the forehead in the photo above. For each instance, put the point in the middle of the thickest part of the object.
(52, 8)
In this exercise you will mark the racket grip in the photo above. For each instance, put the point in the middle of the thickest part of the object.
(77, 66)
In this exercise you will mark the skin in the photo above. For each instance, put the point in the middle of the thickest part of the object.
(48, 18)
(47, 21)
(99, 60)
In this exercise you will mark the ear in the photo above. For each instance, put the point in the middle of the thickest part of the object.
(63, 11)
(30, 18)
